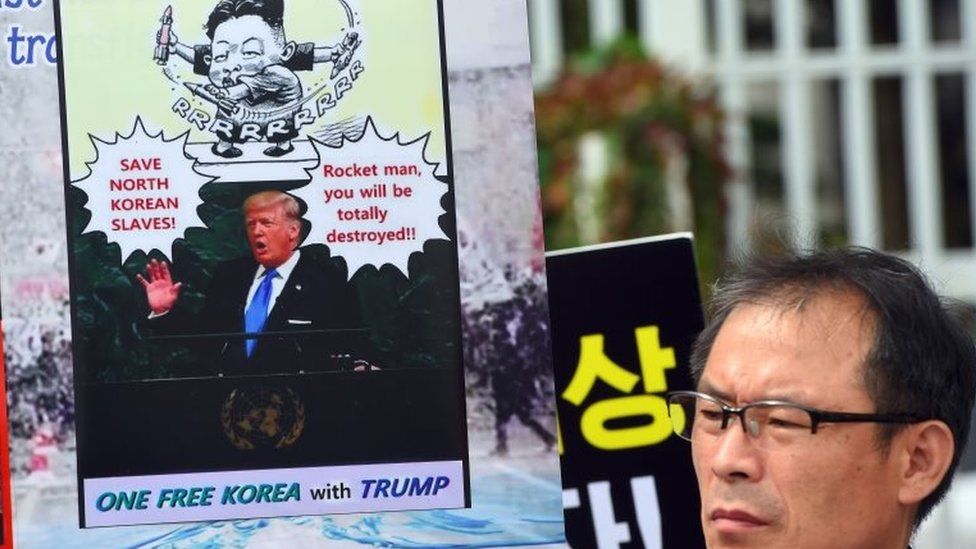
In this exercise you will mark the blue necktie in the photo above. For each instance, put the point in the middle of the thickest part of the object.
(257, 312)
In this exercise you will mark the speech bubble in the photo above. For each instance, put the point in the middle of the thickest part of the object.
(373, 200)
(143, 191)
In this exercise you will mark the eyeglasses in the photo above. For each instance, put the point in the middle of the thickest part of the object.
(767, 421)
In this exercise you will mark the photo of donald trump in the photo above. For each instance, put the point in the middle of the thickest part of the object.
(303, 314)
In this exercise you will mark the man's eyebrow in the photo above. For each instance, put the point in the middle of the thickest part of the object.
(795, 398)
(789, 396)
(707, 388)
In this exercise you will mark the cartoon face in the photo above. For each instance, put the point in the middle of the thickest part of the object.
(244, 46)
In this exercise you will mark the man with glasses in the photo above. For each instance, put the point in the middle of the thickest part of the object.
(833, 402)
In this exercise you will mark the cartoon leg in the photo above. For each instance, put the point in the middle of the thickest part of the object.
(225, 149)
(279, 149)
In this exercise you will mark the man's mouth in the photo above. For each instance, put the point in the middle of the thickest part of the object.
(260, 247)
(735, 520)
(228, 81)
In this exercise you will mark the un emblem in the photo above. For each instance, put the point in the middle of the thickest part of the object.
(262, 418)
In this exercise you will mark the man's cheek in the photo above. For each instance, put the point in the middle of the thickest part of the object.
(702, 471)
(698, 459)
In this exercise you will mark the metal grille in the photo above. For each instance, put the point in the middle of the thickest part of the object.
(867, 45)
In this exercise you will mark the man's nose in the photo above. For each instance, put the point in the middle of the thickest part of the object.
(736, 456)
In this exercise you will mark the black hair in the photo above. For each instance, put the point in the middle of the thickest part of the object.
(922, 362)
(271, 11)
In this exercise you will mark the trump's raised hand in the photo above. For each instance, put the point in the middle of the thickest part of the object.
(161, 292)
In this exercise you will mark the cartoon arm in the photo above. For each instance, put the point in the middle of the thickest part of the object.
(340, 55)
(326, 54)
(225, 98)
(235, 92)
(179, 48)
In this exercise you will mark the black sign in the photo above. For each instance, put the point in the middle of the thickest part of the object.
(624, 317)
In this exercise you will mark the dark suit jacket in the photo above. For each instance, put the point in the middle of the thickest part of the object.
(316, 296)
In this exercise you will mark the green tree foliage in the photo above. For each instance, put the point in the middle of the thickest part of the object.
(645, 112)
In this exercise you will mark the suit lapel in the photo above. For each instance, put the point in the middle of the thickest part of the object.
(293, 290)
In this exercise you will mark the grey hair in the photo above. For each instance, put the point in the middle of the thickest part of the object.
(268, 199)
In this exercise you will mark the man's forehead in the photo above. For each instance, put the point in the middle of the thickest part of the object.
(791, 349)
(266, 211)
(813, 314)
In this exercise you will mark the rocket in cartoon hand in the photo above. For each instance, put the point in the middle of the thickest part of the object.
(344, 52)
(162, 37)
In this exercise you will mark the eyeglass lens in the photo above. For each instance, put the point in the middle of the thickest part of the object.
(700, 415)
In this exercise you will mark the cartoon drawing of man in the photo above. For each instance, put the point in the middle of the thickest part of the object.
(251, 64)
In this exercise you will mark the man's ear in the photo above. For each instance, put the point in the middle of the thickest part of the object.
(207, 59)
(928, 449)
(289, 51)
(295, 232)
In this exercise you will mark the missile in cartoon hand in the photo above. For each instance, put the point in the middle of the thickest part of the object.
(342, 58)
(212, 94)
(162, 37)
